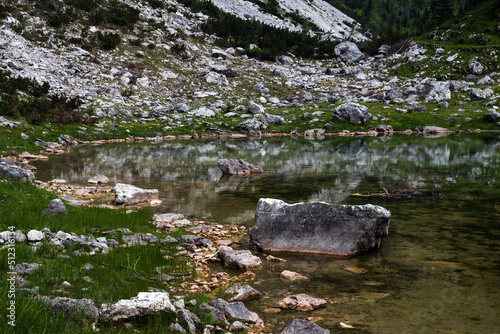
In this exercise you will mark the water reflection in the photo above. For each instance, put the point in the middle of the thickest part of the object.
(438, 270)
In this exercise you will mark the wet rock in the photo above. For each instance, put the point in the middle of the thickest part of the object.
(318, 227)
(98, 179)
(143, 304)
(274, 259)
(300, 326)
(302, 302)
(236, 311)
(15, 172)
(242, 294)
(239, 259)
(238, 167)
(291, 275)
(55, 207)
(128, 194)
(354, 113)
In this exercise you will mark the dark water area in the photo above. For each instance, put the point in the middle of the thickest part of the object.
(439, 268)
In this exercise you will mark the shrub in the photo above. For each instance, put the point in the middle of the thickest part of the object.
(109, 40)
(156, 3)
(116, 13)
(180, 49)
(85, 5)
(5, 10)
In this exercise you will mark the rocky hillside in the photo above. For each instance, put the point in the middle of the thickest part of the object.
(153, 62)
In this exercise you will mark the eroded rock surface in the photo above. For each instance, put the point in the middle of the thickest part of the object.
(318, 227)
(128, 194)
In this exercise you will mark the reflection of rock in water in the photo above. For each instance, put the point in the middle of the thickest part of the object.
(233, 183)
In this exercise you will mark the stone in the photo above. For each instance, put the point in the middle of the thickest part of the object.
(15, 172)
(168, 217)
(128, 194)
(55, 207)
(273, 119)
(236, 311)
(35, 236)
(354, 113)
(437, 91)
(203, 112)
(251, 125)
(348, 52)
(242, 294)
(300, 326)
(145, 303)
(291, 275)
(188, 318)
(381, 128)
(435, 129)
(239, 259)
(68, 305)
(26, 268)
(182, 108)
(255, 109)
(480, 94)
(238, 167)
(285, 60)
(492, 116)
(205, 310)
(318, 227)
(237, 326)
(25, 137)
(98, 179)
(177, 328)
(302, 302)
(474, 67)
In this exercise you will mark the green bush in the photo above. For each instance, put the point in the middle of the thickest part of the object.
(156, 3)
(116, 13)
(5, 10)
(109, 40)
(85, 5)
(12, 85)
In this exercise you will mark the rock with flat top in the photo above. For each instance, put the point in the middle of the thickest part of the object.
(318, 227)
(239, 259)
(242, 294)
(291, 275)
(236, 311)
(145, 303)
(300, 326)
(128, 194)
(302, 302)
(98, 179)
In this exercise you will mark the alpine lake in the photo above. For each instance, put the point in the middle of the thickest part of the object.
(438, 270)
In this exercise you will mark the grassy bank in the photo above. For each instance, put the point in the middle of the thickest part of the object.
(121, 273)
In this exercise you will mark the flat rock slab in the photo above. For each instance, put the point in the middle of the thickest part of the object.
(98, 179)
(300, 326)
(239, 259)
(242, 294)
(318, 227)
(143, 304)
(292, 275)
(128, 194)
(236, 311)
(302, 302)
(238, 167)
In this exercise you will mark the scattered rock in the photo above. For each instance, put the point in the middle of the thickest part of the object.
(35, 236)
(348, 52)
(236, 311)
(54, 207)
(128, 194)
(302, 302)
(242, 294)
(318, 227)
(239, 259)
(98, 179)
(435, 130)
(238, 167)
(143, 304)
(300, 326)
(354, 113)
(26, 268)
(291, 275)
(492, 116)
(15, 172)
(68, 305)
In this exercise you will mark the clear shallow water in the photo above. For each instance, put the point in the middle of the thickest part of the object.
(438, 270)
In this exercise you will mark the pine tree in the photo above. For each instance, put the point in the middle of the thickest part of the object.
(440, 11)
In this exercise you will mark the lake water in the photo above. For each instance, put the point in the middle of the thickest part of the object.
(439, 268)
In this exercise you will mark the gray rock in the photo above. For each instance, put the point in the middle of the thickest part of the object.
(302, 302)
(145, 303)
(205, 310)
(273, 119)
(486, 80)
(285, 60)
(255, 109)
(26, 268)
(239, 259)
(134, 239)
(25, 137)
(318, 227)
(437, 91)
(182, 108)
(237, 326)
(492, 116)
(15, 172)
(98, 179)
(203, 112)
(55, 207)
(443, 104)
(242, 294)
(67, 305)
(74, 201)
(177, 328)
(300, 326)
(238, 167)
(382, 128)
(480, 94)
(251, 125)
(236, 311)
(4, 122)
(128, 194)
(459, 86)
(348, 52)
(354, 113)
(435, 129)
(475, 67)
(188, 318)
(168, 217)
(35, 236)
